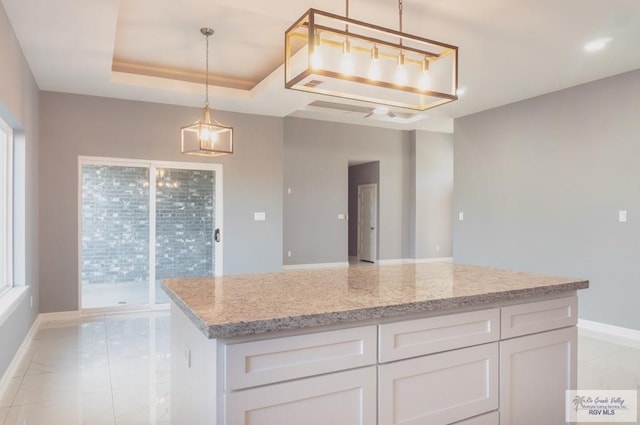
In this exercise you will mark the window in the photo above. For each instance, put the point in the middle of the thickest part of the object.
(6, 207)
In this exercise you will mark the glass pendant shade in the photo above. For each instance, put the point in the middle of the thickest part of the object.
(369, 63)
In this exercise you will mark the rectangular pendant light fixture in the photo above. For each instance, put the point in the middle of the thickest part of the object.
(339, 56)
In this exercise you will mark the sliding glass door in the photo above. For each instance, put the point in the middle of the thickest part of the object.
(144, 222)
(185, 225)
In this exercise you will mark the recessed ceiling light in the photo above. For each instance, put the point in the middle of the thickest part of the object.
(598, 44)
(461, 91)
(381, 110)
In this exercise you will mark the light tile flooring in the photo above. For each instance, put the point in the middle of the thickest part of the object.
(114, 370)
(99, 370)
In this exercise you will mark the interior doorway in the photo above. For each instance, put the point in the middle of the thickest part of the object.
(141, 222)
(367, 222)
(363, 173)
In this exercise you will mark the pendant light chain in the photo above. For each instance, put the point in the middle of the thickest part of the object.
(400, 10)
(206, 76)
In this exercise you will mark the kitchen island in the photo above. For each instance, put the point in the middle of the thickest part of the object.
(435, 343)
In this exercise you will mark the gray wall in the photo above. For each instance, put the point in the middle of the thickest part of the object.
(367, 173)
(74, 125)
(541, 182)
(433, 156)
(316, 161)
(19, 107)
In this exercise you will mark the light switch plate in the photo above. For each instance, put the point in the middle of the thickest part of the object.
(460, 216)
(259, 216)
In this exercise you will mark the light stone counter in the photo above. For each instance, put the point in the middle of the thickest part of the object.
(239, 305)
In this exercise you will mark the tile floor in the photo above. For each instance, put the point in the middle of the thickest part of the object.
(114, 369)
(99, 370)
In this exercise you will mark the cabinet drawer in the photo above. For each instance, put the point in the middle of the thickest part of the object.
(343, 398)
(441, 388)
(414, 338)
(255, 363)
(523, 319)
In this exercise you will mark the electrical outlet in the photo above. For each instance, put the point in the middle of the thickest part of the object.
(288, 253)
(437, 248)
(622, 216)
(460, 216)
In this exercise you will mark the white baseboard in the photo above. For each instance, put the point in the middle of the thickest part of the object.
(59, 316)
(415, 261)
(379, 262)
(315, 266)
(610, 333)
(434, 260)
(11, 371)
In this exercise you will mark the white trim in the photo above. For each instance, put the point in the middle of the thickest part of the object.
(415, 260)
(378, 262)
(10, 373)
(610, 333)
(6, 203)
(59, 316)
(10, 300)
(433, 260)
(315, 266)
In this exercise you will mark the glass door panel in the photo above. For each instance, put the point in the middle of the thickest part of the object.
(185, 225)
(114, 269)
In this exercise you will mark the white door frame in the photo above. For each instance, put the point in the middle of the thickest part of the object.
(361, 187)
(152, 166)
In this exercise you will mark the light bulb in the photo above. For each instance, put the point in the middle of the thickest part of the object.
(424, 83)
(374, 66)
(204, 133)
(401, 72)
(316, 60)
(346, 65)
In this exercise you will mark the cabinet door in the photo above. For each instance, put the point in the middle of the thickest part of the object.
(535, 371)
(441, 388)
(343, 398)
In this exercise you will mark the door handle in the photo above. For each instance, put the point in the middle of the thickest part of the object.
(216, 235)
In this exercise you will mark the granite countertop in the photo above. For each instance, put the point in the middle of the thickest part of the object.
(239, 305)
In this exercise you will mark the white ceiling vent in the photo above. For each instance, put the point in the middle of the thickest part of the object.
(379, 113)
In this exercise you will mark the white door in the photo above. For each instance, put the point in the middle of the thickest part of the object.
(367, 222)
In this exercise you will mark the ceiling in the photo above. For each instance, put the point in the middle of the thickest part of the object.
(152, 50)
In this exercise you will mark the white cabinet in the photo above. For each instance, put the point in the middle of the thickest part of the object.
(253, 363)
(506, 365)
(342, 398)
(412, 338)
(441, 388)
(535, 371)
(539, 316)
(539, 365)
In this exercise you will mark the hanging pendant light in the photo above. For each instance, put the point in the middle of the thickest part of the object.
(366, 62)
(207, 137)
